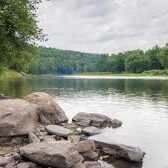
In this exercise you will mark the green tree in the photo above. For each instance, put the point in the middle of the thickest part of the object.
(136, 61)
(19, 31)
(164, 56)
(153, 55)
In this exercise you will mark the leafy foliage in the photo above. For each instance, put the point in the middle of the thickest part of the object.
(55, 61)
(50, 60)
(19, 30)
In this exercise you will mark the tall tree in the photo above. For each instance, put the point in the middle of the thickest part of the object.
(18, 32)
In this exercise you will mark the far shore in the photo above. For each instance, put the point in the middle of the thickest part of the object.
(120, 74)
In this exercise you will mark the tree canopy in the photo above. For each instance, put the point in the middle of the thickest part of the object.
(55, 61)
(19, 31)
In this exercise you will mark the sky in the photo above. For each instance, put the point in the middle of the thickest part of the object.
(104, 26)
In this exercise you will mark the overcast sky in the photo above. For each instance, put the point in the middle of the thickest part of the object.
(104, 26)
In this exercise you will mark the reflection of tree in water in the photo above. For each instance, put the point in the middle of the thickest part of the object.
(154, 89)
(15, 88)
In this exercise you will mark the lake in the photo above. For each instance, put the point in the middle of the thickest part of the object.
(140, 103)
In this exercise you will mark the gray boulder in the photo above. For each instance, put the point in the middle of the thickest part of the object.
(119, 151)
(90, 156)
(17, 117)
(57, 155)
(58, 130)
(89, 131)
(91, 119)
(49, 111)
(84, 146)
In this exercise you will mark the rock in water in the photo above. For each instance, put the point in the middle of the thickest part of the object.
(58, 130)
(49, 111)
(116, 123)
(17, 117)
(91, 119)
(119, 151)
(56, 155)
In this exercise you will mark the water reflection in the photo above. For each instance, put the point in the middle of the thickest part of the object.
(154, 89)
(141, 104)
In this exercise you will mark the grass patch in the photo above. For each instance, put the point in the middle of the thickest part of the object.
(9, 74)
(145, 73)
(156, 73)
(108, 74)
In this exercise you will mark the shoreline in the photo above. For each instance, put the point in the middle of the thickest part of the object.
(9, 74)
(119, 74)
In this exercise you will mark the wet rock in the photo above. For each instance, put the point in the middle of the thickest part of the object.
(91, 119)
(116, 123)
(58, 154)
(126, 164)
(119, 151)
(58, 130)
(33, 138)
(17, 117)
(49, 112)
(89, 131)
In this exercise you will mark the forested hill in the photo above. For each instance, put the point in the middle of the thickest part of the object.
(56, 61)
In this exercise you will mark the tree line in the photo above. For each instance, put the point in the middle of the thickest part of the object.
(18, 33)
(56, 61)
(136, 61)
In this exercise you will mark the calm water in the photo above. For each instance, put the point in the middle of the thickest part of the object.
(142, 105)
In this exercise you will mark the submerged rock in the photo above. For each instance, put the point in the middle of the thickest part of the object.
(49, 112)
(56, 155)
(17, 117)
(91, 119)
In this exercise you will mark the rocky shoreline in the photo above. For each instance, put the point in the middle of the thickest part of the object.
(35, 133)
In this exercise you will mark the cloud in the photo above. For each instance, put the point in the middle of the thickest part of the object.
(104, 25)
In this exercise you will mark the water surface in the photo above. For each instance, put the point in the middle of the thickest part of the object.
(141, 103)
